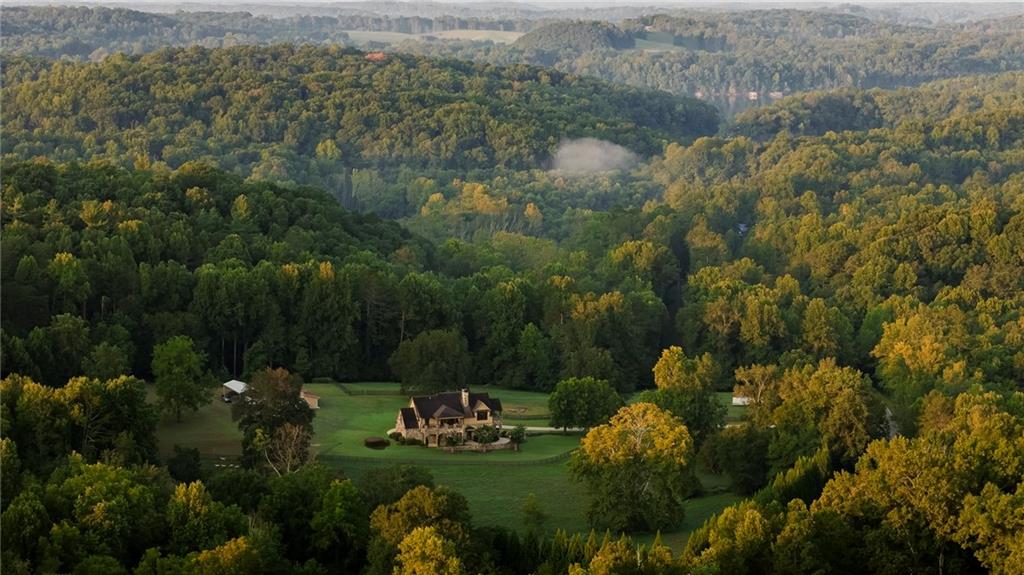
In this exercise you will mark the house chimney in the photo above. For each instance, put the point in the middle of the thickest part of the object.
(465, 398)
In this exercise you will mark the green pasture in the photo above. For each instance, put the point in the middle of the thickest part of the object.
(656, 42)
(210, 429)
(496, 492)
(496, 36)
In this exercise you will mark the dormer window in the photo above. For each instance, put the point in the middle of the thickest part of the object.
(481, 415)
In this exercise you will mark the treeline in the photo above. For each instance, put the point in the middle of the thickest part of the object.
(723, 56)
(312, 115)
(100, 262)
(94, 33)
(720, 57)
(81, 33)
(815, 113)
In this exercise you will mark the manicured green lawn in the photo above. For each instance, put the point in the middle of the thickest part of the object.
(344, 421)
(496, 493)
(374, 387)
(495, 484)
(528, 408)
(733, 412)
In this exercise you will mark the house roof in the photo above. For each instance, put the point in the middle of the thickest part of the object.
(409, 418)
(445, 411)
(236, 386)
(450, 404)
(492, 402)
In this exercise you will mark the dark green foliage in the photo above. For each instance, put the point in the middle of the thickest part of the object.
(386, 485)
(582, 402)
(348, 112)
(185, 465)
(517, 434)
(833, 237)
(553, 41)
(742, 453)
(291, 503)
(816, 113)
(433, 362)
(485, 434)
(701, 412)
(94, 33)
(271, 402)
(376, 442)
(723, 56)
(241, 487)
(179, 378)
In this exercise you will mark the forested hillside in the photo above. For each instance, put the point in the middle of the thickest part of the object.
(95, 33)
(724, 57)
(721, 57)
(814, 113)
(311, 115)
(561, 38)
(766, 240)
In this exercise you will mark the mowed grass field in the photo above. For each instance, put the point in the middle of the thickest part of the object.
(210, 429)
(344, 421)
(495, 484)
(496, 36)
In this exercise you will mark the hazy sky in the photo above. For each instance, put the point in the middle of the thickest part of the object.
(553, 3)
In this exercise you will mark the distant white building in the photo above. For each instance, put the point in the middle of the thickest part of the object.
(741, 399)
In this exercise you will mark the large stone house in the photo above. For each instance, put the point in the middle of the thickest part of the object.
(433, 418)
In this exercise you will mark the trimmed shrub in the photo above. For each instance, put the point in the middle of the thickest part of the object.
(485, 435)
(376, 442)
(518, 434)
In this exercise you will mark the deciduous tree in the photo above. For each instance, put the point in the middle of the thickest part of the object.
(637, 467)
(180, 380)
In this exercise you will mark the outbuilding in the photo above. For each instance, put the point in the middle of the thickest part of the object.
(233, 389)
(311, 399)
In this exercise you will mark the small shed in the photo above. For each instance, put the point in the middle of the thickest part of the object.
(234, 387)
(311, 399)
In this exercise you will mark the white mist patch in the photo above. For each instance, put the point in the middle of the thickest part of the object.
(590, 155)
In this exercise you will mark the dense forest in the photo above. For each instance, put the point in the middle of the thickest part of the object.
(95, 33)
(724, 57)
(850, 261)
(311, 115)
(727, 58)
